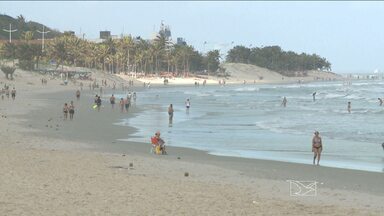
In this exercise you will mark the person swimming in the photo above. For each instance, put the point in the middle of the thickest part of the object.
(380, 101)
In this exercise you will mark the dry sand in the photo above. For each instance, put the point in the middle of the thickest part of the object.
(55, 167)
(238, 74)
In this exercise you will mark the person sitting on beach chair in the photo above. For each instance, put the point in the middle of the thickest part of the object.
(158, 146)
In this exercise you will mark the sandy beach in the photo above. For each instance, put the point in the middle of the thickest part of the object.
(56, 167)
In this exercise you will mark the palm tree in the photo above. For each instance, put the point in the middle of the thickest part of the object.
(27, 36)
(57, 50)
(9, 52)
(125, 47)
(111, 52)
(161, 46)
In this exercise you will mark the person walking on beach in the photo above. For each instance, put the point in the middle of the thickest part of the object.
(349, 107)
(284, 102)
(98, 103)
(7, 92)
(13, 93)
(65, 111)
(78, 94)
(71, 109)
(380, 101)
(317, 147)
(170, 113)
(112, 100)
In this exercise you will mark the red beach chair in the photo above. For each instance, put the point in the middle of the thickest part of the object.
(155, 144)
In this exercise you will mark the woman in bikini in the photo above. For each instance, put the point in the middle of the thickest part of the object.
(317, 147)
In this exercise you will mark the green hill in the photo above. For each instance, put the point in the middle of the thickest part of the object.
(22, 26)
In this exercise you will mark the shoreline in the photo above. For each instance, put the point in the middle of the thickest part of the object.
(61, 167)
(279, 170)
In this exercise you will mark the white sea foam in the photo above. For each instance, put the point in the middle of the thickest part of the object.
(244, 120)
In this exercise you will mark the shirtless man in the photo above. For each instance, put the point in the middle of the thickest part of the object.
(112, 100)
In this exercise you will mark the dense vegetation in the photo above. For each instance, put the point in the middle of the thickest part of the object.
(114, 55)
(274, 58)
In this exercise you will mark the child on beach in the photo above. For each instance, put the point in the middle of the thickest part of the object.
(122, 105)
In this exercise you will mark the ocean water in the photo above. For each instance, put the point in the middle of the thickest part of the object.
(249, 121)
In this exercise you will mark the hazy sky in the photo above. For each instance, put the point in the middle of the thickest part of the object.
(349, 34)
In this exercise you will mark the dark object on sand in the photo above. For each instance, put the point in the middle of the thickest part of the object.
(178, 158)
(186, 174)
(130, 164)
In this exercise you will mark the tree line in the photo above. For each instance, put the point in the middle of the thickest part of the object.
(126, 54)
(276, 59)
(134, 54)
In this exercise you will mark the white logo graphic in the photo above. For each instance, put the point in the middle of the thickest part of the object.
(302, 188)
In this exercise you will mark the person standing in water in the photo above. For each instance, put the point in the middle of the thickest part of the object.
(112, 100)
(314, 96)
(122, 104)
(170, 113)
(187, 104)
(317, 147)
(284, 102)
(349, 107)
